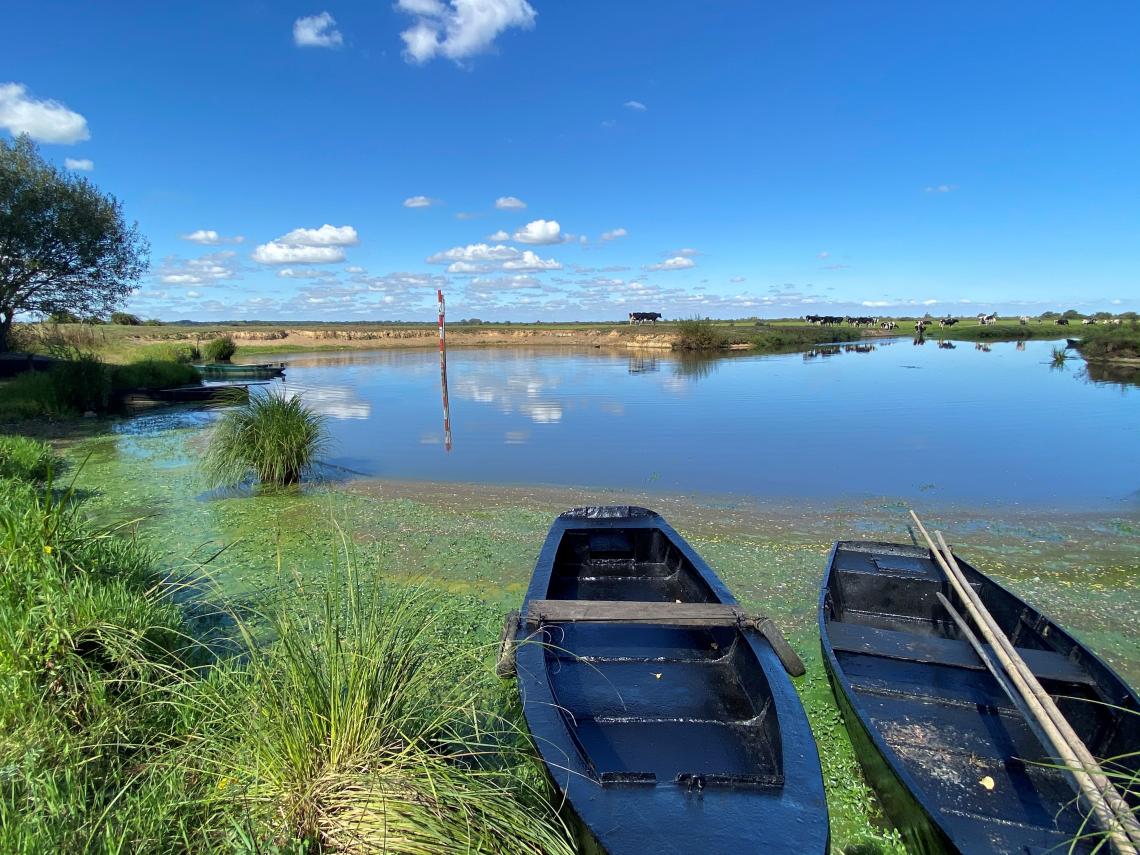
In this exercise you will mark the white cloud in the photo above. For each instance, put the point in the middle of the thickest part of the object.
(529, 262)
(941, 188)
(317, 31)
(420, 202)
(326, 235)
(276, 252)
(465, 215)
(540, 232)
(208, 269)
(209, 237)
(308, 246)
(499, 236)
(291, 273)
(485, 258)
(43, 121)
(353, 269)
(193, 294)
(81, 164)
(677, 262)
(507, 203)
(614, 234)
(686, 252)
(474, 252)
(876, 304)
(637, 106)
(823, 254)
(458, 29)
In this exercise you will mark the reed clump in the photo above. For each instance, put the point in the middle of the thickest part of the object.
(273, 439)
(220, 349)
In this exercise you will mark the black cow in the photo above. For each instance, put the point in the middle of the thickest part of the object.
(644, 317)
(1062, 322)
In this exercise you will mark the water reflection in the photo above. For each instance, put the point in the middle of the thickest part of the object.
(778, 425)
(947, 345)
(1112, 374)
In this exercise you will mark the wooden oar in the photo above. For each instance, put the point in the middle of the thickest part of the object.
(1120, 826)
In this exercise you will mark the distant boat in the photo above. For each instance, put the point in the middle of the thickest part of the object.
(956, 766)
(229, 370)
(661, 710)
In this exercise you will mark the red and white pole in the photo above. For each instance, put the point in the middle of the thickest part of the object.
(443, 373)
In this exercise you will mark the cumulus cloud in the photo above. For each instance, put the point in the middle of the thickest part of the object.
(209, 237)
(636, 106)
(507, 203)
(677, 262)
(876, 304)
(420, 202)
(941, 188)
(292, 273)
(499, 236)
(530, 262)
(308, 246)
(485, 258)
(43, 121)
(458, 29)
(317, 31)
(540, 232)
(614, 234)
(210, 269)
(82, 164)
(326, 235)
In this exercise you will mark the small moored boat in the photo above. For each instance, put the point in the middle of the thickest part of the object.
(231, 370)
(956, 765)
(662, 711)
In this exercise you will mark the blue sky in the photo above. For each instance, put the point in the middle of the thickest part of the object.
(717, 158)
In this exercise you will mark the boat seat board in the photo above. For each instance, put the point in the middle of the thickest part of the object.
(905, 646)
(620, 611)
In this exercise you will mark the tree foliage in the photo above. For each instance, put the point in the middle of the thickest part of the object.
(64, 245)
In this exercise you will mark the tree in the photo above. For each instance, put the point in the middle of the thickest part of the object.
(125, 319)
(64, 245)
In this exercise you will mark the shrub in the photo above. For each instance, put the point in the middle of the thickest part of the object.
(125, 319)
(699, 334)
(272, 438)
(29, 460)
(220, 349)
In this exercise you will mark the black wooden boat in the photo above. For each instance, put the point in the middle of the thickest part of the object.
(661, 711)
(956, 766)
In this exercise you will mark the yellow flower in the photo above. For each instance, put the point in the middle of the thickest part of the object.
(47, 549)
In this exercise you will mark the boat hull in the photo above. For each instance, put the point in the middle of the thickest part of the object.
(663, 738)
(956, 767)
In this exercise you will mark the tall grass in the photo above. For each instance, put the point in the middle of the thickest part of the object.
(699, 334)
(28, 460)
(368, 727)
(352, 716)
(272, 438)
(220, 349)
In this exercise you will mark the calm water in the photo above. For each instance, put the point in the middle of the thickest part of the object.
(897, 420)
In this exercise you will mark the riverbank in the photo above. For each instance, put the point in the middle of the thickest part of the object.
(478, 543)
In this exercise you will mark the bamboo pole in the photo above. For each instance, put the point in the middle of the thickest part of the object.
(1116, 826)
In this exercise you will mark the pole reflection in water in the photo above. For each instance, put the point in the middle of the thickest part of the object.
(443, 375)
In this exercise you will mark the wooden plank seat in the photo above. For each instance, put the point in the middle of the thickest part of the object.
(908, 647)
(625, 611)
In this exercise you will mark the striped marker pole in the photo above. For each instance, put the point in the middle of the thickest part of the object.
(443, 373)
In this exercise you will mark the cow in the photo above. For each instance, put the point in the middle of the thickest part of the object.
(947, 321)
(1023, 320)
(888, 325)
(1062, 322)
(947, 345)
(644, 317)
(986, 320)
(1087, 321)
(920, 326)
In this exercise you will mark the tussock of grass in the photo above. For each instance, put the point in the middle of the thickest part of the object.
(272, 438)
(699, 334)
(29, 460)
(220, 349)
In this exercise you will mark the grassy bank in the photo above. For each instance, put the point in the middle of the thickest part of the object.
(344, 712)
(1111, 343)
(704, 335)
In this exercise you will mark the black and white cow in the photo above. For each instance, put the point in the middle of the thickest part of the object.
(644, 317)
(947, 321)
(1062, 322)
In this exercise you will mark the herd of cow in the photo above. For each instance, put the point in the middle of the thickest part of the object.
(864, 321)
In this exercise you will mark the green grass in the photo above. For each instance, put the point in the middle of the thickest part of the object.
(153, 374)
(28, 460)
(271, 438)
(220, 349)
(352, 713)
(1115, 342)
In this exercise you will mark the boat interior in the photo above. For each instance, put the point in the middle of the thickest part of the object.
(649, 703)
(946, 718)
